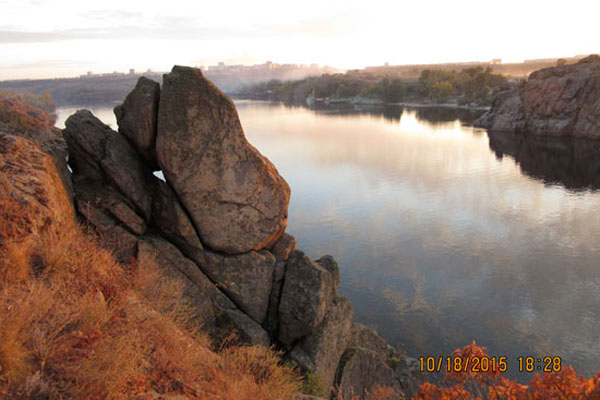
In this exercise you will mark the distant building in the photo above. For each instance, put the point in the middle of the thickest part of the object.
(496, 61)
(131, 71)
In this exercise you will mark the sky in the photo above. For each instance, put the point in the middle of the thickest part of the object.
(61, 38)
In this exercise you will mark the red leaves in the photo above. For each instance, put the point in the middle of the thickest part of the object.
(471, 385)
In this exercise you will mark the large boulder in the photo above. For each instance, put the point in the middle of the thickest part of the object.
(560, 101)
(307, 292)
(136, 118)
(32, 196)
(235, 197)
(100, 155)
(321, 351)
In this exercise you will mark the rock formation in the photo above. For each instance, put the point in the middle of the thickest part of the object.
(216, 224)
(559, 101)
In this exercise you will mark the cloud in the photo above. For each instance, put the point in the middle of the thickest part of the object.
(110, 24)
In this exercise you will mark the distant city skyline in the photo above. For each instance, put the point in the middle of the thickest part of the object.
(64, 38)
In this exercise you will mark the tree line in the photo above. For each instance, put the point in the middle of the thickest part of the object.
(470, 85)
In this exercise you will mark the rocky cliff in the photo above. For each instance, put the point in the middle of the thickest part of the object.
(558, 101)
(216, 224)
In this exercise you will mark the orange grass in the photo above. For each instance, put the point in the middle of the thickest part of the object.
(76, 324)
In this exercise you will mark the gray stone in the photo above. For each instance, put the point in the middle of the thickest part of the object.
(235, 197)
(307, 292)
(137, 116)
(245, 278)
(321, 351)
(361, 372)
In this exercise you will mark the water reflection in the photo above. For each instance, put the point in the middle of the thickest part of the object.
(439, 241)
(573, 163)
(393, 113)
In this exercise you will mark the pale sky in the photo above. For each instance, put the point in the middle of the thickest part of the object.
(55, 38)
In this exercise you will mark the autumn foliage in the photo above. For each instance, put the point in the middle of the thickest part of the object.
(469, 385)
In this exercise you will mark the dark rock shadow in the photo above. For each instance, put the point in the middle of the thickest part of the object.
(571, 162)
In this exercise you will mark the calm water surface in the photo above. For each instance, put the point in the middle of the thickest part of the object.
(443, 234)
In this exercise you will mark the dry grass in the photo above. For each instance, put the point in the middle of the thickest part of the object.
(75, 324)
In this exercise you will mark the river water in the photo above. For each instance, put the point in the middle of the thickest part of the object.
(444, 235)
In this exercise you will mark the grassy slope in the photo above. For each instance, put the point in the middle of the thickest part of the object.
(76, 324)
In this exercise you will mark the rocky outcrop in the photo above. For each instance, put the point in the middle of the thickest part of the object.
(215, 226)
(20, 119)
(136, 118)
(32, 196)
(235, 197)
(559, 101)
(352, 380)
